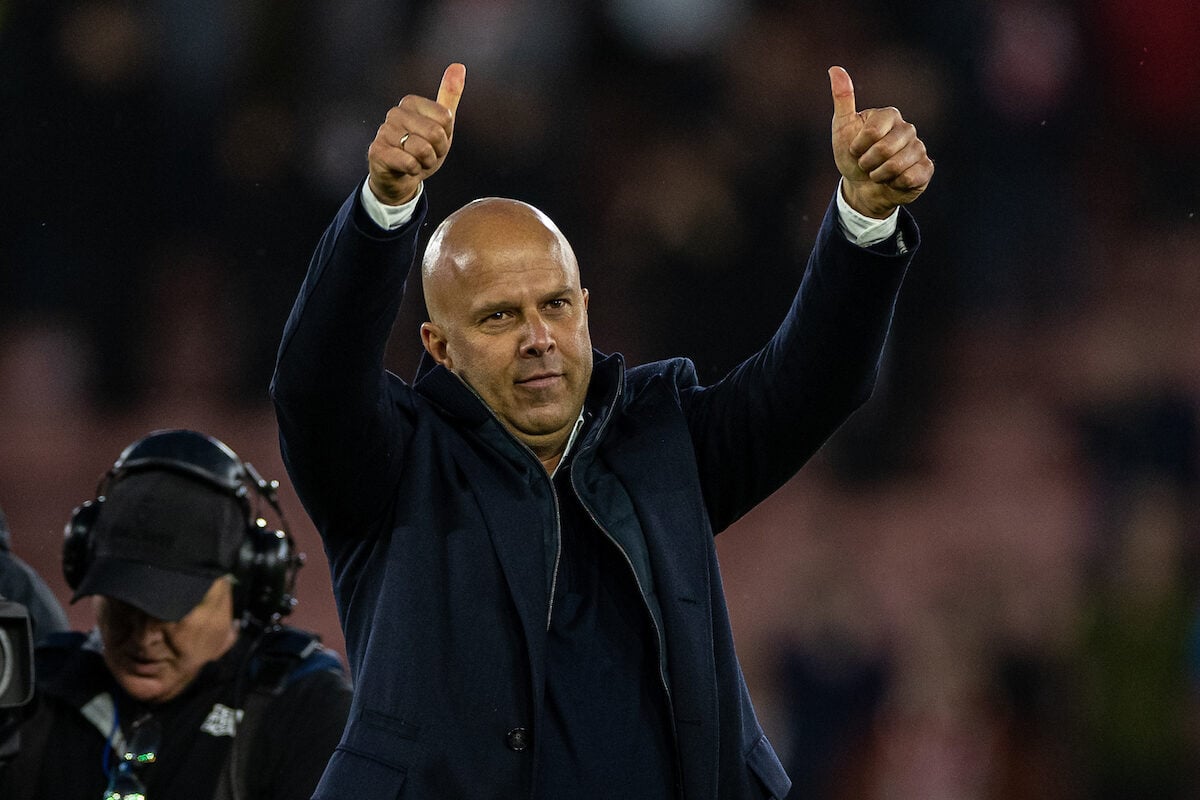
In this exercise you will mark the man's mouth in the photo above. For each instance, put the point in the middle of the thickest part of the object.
(143, 667)
(540, 380)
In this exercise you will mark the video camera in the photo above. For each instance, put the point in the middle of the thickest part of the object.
(16, 655)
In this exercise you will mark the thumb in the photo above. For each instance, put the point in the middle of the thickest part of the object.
(843, 93)
(451, 89)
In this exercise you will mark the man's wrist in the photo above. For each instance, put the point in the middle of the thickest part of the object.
(860, 229)
(388, 217)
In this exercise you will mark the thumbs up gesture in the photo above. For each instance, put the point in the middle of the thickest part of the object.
(413, 140)
(883, 163)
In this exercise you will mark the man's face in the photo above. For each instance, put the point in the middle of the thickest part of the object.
(509, 318)
(155, 660)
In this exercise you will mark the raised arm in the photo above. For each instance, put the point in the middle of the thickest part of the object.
(341, 415)
(754, 429)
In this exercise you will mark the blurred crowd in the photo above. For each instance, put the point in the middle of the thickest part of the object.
(983, 587)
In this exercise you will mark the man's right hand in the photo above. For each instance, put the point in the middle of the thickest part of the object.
(413, 141)
(883, 162)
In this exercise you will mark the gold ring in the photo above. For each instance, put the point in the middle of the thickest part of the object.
(404, 139)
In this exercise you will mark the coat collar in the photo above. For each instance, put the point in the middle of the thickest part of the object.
(459, 402)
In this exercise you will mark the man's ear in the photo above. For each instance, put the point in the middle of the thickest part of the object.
(435, 343)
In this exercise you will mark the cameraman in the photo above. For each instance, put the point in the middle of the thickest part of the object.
(188, 687)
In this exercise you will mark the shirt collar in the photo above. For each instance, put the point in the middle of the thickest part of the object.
(570, 443)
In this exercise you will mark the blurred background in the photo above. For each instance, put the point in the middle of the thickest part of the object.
(984, 586)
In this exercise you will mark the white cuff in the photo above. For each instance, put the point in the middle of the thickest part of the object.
(388, 217)
(864, 231)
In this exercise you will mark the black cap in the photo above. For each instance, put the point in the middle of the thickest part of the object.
(160, 540)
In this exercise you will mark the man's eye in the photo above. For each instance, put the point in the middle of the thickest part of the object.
(556, 304)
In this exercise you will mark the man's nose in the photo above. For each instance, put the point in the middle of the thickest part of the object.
(538, 338)
(141, 627)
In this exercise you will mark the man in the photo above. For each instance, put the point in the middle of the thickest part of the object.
(521, 541)
(188, 687)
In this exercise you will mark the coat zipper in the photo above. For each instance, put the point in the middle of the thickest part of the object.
(557, 550)
(658, 640)
(553, 494)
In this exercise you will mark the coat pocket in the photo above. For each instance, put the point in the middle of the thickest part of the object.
(766, 766)
(351, 774)
(372, 760)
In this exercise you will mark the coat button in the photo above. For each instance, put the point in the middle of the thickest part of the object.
(517, 739)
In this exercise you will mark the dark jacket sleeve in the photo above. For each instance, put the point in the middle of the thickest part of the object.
(754, 429)
(341, 420)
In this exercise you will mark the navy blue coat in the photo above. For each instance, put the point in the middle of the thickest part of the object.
(440, 527)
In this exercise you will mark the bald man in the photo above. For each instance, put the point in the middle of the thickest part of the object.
(521, 539)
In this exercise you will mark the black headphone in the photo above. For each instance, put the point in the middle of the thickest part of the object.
(265, 570)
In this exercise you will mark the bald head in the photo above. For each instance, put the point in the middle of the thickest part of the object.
(507, 315)
(485, 232)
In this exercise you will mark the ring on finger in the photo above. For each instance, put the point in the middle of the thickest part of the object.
(404, 139)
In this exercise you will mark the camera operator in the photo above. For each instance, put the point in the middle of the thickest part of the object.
(188, 687)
